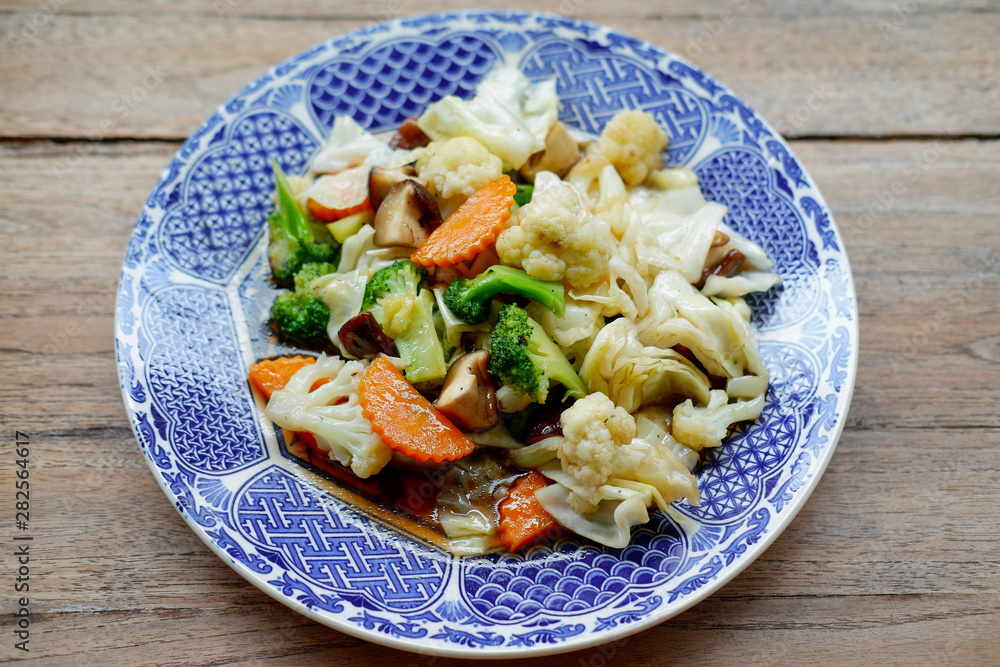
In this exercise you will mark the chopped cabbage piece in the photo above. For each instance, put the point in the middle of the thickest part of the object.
(342, 293)
(536, 454)
(350, 145)
(503, 129)
(535, 104)
(634, 375)
(614, 300)
(655, 464)
(741, 284)
(717, 331)
(610, 525)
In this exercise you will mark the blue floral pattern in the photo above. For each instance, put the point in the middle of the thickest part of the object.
(194, 294)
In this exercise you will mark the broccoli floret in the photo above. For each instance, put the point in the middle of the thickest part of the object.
(300, 316)
(293, 239)
(397, 279)
(406, 312)
(309, 272)
(469, 298)
(524, 358)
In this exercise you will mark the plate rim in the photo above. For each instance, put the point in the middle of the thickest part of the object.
(775, 527)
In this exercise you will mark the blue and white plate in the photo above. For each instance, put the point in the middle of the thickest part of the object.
(194, 296)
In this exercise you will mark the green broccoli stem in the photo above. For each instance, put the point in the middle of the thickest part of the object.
(554, 363)
(419, 345)
(294, 222)
(500, 278)
(523, 194)
(294, 240)
(469, 299)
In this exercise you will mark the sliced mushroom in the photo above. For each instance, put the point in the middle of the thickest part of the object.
(546, 421)
(560, 154)
(546, 425)
(363, 336)
(727, 266)
(409, 135)
(406, 216)
(720, 239)
(468, 396)
(380, 179)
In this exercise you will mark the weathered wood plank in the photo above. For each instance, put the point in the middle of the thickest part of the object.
(124, 75)
(584, 9)
(920, 223)
(893, 559)
(798, 630)
(927, 299)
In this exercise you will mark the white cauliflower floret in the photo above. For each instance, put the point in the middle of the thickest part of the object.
(556, 237)
(632, 141)
(332, 413)
(458, 166)
(593, 430)
(707, 426)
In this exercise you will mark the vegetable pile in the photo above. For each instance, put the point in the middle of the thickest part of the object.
(522, 334)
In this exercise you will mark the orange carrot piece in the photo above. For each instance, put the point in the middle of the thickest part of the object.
(522, 518)
(471, 228)
(269, 375)
(321, 460)
(307, 439)
(405, 420)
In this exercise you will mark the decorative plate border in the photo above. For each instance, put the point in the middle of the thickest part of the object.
(190, 308)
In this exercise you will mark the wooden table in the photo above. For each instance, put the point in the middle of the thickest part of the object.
(893, 106)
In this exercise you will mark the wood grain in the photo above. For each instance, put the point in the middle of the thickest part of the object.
(894, 559)
(130, 76)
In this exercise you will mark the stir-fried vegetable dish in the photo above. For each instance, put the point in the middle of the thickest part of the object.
(510, 332)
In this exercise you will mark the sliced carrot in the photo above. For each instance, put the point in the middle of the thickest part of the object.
(522, 518)
(321, 460)
(471, 228)
(325, 214)
(307, 439)
(336, 196)
(405, 420)
(269, 375)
